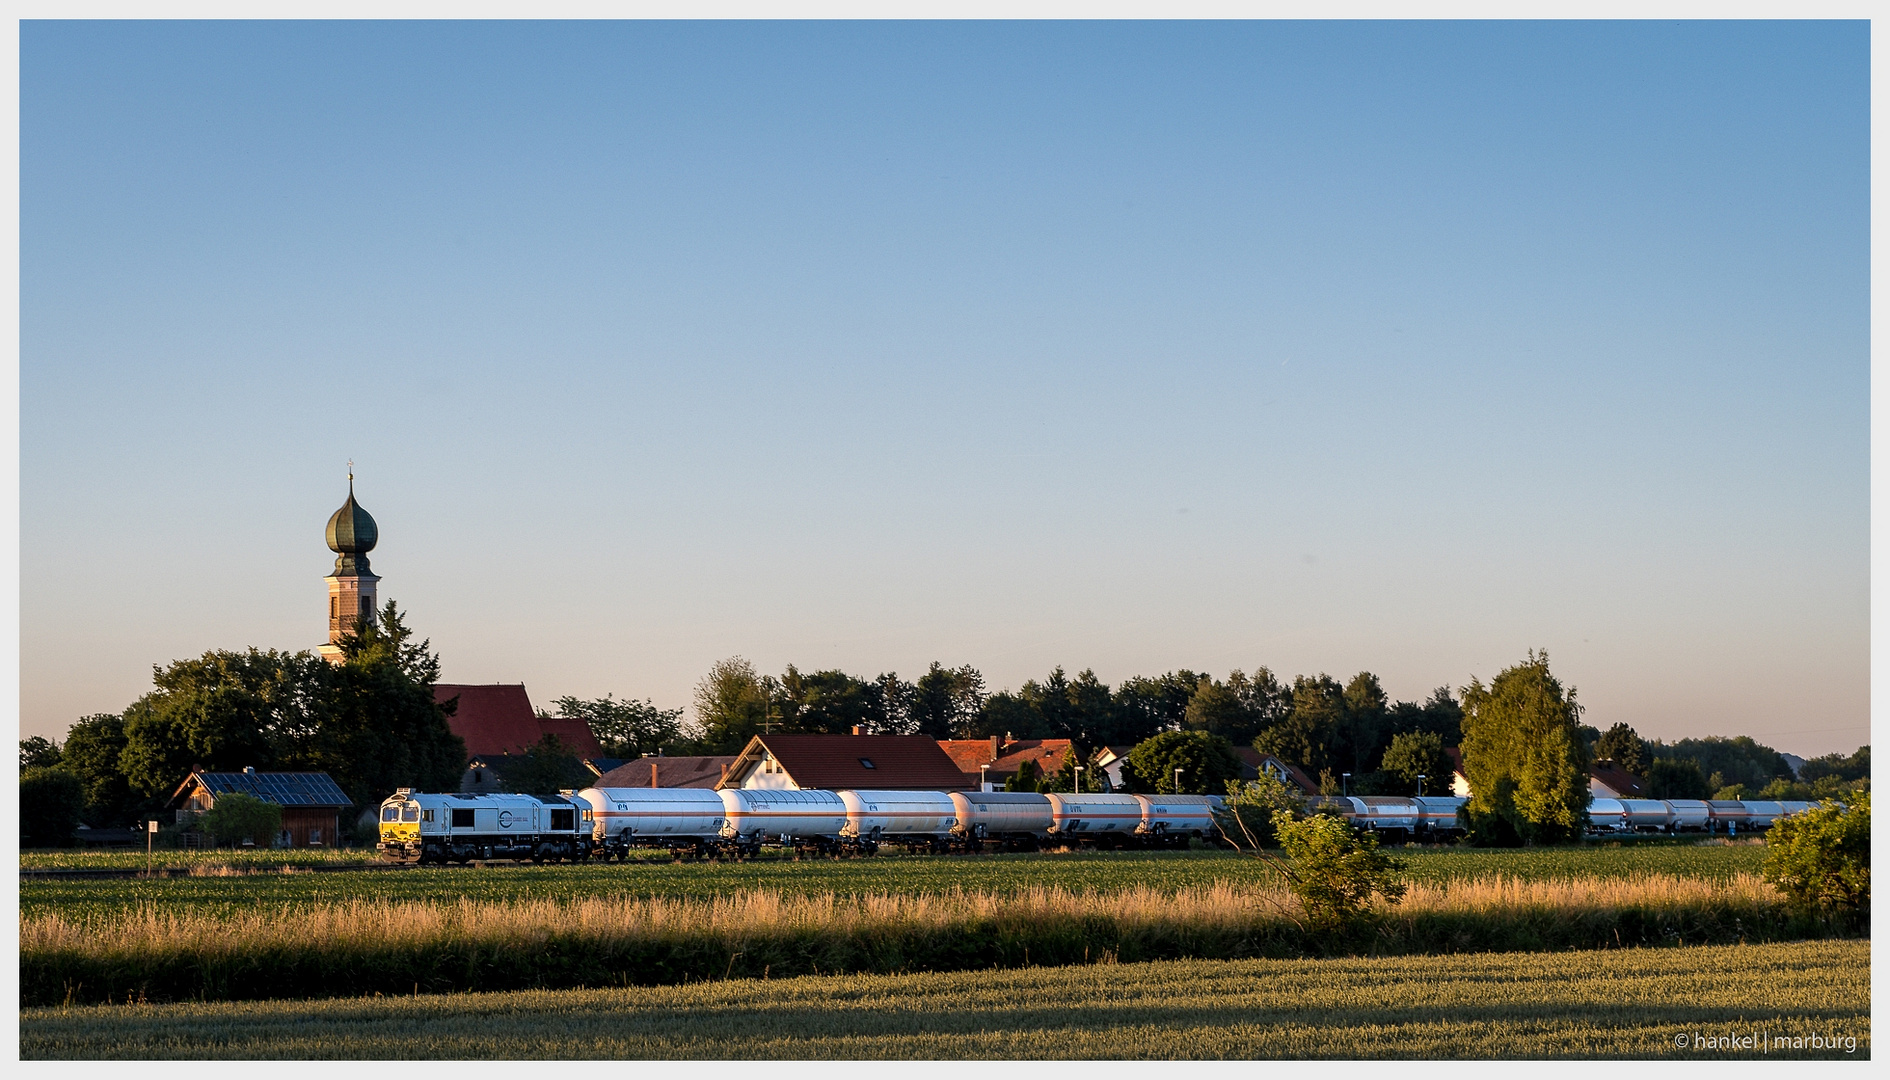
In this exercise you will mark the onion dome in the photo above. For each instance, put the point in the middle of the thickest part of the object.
(351, 535)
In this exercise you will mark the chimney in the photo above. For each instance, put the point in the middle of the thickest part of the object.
(858, 730)
(997, 746)
(725, 773)
(653, 782)
(249, 770)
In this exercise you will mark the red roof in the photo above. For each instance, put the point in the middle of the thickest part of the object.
(1004, 756)
(497, 718)
(864, 762)
(1258, 761)
(671, 772)
(1618, 779)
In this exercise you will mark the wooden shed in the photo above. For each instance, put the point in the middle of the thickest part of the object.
(311, 802)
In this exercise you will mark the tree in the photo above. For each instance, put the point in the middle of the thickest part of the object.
(51, 800)
(1311, 731)
(93, 752)
(731, 705)
(1525, 761)
(1419, 753)
(1440, 715)
(1026, 778)
(1223, 708)
(237, 817)
(1738, 760)
(1142, 706)
(625, 729)
(1669, 778)
(1247, 816)
(946, 702)
(38, 752)
(824, 703)
(1206, 760)
(370, 722)
(224, 711)
(1820, 859)
(1365, 718)
(889, 705)
(548, 765)
(1336, 870)
(1621, 745)
(378, 726)
(1842, 767)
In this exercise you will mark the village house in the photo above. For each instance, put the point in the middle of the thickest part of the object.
(859, 761)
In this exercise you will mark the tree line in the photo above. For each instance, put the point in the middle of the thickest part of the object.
(369, 722)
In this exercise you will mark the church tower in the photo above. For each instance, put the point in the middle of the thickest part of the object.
(351, 535)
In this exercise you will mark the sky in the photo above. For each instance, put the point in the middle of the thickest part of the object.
(1328, 347)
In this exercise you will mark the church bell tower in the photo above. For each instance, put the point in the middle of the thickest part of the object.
(351, 535)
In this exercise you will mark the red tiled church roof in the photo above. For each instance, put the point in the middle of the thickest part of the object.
(497, 718)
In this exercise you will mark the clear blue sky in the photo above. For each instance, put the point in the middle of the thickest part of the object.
(1328, 347)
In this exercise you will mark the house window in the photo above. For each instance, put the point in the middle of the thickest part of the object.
(867, 763)
(314, 837)
(479, 776)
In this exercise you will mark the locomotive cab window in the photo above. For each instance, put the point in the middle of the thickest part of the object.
(563, 819)
(410, 813)
(426, 815)
(462, 818)
(390, 813)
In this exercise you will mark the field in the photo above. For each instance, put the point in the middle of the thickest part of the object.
(1635, 1003)
(212, 895)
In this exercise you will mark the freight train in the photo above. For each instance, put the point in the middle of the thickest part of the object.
(608, 823)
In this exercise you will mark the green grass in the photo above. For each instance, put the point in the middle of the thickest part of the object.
(1620, 1003)
(1105, 871)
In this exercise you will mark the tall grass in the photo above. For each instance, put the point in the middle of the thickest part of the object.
(362, 947)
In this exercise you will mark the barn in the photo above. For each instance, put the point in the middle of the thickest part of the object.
(311, 802)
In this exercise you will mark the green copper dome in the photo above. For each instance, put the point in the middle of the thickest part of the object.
(351, 535)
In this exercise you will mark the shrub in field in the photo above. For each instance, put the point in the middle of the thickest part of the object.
(1247, 818)
(1336, 869)
(1821, 858)
(237, 817)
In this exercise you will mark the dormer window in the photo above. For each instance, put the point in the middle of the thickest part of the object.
(867, 763)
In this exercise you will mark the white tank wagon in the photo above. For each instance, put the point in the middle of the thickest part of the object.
(1387, 814)
(1607, 815)
(462, 827)
(1440, 816)
(1689, 815)
(921, 820)
(1014, 819)
(1761, 815)
(1173, 819)
(799, 818)
(1644, 815)
(1102, 819)
(685, 820)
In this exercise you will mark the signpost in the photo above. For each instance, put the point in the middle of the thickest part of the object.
(150, 838)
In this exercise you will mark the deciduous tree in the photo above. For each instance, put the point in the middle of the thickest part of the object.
(1523, 756)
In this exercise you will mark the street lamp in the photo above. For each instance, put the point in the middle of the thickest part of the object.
(1345, 785)
(1420, 785)
(1077, 783)
(1177, 779)
(984, 778)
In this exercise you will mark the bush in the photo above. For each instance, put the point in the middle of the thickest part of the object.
(1247, 818)
(51, 801)
(1677, 778)
(1336, 870)
(1207, 762)
(1820, 859)
(237, 817)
